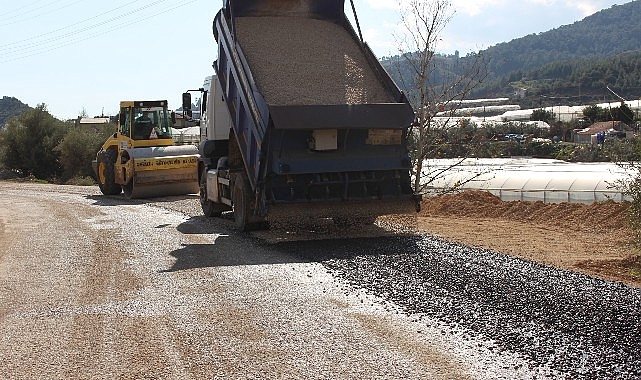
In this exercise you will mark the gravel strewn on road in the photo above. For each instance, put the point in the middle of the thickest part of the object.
(582, 327)
(558, 320)
(103, 287)
(96, 285)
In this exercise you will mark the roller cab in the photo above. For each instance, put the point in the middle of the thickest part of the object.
(140, 158)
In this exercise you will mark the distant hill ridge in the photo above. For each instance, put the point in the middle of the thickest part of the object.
(605, 33)
(582, 48)
(572, 82)
(10, 107)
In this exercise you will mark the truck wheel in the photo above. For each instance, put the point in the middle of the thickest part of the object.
(209, 207)
(106, 176)
(241, 198)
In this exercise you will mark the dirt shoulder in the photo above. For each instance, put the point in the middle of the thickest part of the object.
(592, 239)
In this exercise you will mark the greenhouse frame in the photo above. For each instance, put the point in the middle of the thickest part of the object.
(528, 179)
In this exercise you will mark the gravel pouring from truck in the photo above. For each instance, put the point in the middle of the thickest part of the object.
(300, 118)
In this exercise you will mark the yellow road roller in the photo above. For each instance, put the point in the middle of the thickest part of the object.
(141, 160)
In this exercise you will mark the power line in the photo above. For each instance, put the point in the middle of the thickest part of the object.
(36, 44)
(27, 12)
(95, 34)
(66, 27)
(615, 94)
(10, 14)
(21, 8)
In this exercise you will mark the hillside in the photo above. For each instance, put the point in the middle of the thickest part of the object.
(573, 81)
(605, 33)
(577, 53)
(10, 107)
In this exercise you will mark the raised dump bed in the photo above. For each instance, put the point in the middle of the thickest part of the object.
(316, 120)
(320, 63)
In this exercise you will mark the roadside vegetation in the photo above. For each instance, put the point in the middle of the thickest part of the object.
(36, 145)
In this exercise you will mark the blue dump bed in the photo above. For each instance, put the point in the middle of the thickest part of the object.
(316, 117)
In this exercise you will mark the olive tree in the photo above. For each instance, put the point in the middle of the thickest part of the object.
(29, 143)
(78, 148)
(542, 115)
(432, 88)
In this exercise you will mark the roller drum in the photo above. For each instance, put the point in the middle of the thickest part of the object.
(163, 171)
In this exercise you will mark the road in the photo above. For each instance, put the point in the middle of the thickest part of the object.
(103, 287)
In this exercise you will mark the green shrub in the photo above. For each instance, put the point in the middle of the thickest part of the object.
(28, 143)
(37, 145)
(81, 181)
(79, 147)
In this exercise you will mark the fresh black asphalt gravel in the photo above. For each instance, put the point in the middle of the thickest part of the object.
(582, 327)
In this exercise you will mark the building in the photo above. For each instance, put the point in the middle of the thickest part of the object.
(92, 121)
(607, 128)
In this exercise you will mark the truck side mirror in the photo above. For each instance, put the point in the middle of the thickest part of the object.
(187, 104)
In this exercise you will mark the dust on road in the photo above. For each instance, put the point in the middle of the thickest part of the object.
(101, 287)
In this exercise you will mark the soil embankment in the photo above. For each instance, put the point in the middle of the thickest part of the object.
(593, 239)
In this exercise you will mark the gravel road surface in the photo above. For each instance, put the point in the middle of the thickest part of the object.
(102, 287)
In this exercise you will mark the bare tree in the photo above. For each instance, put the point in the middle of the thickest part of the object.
(432, 91)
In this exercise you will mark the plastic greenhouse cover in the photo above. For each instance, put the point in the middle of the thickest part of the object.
(530, 175)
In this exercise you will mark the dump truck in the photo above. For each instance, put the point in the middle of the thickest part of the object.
(299, 119)
(140, 158)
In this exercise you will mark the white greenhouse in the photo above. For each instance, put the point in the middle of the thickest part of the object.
(527, 179)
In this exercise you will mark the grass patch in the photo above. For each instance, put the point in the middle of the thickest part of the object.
(81, 181)
(634, 266)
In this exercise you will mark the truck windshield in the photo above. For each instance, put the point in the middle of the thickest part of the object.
(151, 123)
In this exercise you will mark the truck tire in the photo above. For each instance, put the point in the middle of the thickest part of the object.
(242, 199)
(106, 175)
(210, 208)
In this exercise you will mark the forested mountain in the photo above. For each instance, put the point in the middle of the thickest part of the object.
(573, 81)
(607, 32)
(577, 59)
(10, 107)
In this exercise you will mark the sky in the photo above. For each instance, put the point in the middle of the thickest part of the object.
(85, 56)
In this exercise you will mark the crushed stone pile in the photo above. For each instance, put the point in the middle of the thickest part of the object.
(304, 61)
(582, 327)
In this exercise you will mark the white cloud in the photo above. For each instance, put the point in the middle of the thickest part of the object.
(543, 2)
(585, 7)
(383, 4)
(484, 7)
(474, 8)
